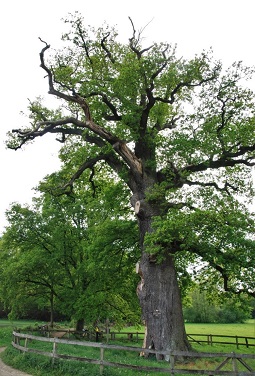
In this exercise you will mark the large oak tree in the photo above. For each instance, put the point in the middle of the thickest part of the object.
(178, 133)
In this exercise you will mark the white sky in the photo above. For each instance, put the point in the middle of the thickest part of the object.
(225, 25)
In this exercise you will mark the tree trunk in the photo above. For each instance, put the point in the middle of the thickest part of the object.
(52, 309)
(79, 325)
(160, 300)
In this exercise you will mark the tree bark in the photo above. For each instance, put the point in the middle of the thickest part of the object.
(160, 298)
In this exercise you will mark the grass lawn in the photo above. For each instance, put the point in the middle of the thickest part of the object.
(246, 329)
(17, 323)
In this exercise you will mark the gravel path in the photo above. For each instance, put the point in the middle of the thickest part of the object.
(8, 371)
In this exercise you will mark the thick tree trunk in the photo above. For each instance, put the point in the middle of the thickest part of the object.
(160, 300)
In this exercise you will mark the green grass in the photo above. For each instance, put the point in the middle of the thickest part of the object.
(41, 366)
(245, 329)
(18, 323)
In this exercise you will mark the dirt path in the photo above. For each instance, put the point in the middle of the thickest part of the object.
(8, 371)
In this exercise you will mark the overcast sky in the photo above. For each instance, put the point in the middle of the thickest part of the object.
(225, 25)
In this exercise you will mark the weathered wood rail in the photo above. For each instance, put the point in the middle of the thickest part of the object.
(237, 362)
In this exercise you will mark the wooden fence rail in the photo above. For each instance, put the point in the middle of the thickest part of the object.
(232, 359)
(209, 339)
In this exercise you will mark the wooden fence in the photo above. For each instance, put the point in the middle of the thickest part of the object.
(237, 362)
(208, 339)
(211, 339)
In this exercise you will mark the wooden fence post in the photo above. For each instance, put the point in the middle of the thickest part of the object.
(234, 363)
(172, 363)
(101, 360)
(107, 330)
(247, 343)
(211, 341)
(25, 343)
(17, 341)
(237, 344)
(54, 351)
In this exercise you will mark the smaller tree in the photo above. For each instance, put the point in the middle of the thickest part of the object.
(28, 273)
(67, 254)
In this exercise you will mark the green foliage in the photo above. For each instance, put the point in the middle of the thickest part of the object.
(218, 238)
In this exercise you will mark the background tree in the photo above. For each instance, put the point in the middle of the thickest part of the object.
(178, 133)
(28, 275)
(203, 306)
(55, 255)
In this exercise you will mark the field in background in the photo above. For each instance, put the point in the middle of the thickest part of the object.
(17, 323)
(246, 329)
